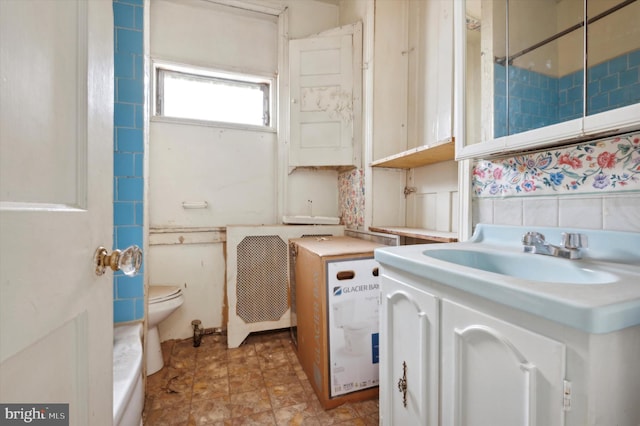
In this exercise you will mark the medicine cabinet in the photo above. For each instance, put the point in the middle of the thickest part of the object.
(549, 72)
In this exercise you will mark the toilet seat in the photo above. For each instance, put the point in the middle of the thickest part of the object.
(162, 293)
(163, 301)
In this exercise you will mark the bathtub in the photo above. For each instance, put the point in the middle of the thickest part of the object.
(128, 390)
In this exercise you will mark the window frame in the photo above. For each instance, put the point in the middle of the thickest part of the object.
(207, 73)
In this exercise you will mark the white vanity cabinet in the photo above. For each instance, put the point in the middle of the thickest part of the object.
(495, 373)
(470, 361)
(408, 354)
(512, 338)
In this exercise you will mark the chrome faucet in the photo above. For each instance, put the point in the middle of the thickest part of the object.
(571, 244)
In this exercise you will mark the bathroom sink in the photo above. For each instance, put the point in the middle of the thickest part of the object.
(525, 266)
(599, 292)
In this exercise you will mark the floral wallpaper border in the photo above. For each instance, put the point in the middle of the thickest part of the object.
(606, 165)
(351, 198)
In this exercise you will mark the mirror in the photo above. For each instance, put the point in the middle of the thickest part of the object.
(613, 54)
(526, 65)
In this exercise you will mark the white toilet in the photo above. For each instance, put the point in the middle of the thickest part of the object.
(355, 332)
(163, 301)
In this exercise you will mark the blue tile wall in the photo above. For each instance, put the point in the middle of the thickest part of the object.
(614, 84)
(570, 94)
(128, 184)
(500, 100)
(533, 100)
(537, 100)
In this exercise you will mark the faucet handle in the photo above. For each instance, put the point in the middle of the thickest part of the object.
(574, 241)
(531, 238)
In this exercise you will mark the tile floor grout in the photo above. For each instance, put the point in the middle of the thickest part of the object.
(259, 383)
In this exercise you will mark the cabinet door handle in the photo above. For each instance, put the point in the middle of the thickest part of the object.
(402, 384)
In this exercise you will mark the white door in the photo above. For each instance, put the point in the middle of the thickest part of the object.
(326, 86)
(56, 172)
(408, 355)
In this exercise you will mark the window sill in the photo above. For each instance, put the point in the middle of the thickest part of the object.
(216, 124)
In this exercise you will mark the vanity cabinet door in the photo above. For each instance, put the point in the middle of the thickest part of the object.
(495, 373)
(408, 355)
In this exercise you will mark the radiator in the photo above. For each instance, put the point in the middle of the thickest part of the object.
(258, 276)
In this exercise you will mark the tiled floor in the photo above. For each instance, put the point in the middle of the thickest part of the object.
(259, 383)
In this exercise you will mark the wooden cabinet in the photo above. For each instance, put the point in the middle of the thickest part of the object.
(495, 373)
(409, 354)
(413, 83)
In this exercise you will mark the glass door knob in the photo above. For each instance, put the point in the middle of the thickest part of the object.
(128, 260)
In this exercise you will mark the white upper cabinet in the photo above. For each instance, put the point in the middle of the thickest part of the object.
(535, 74)
(413, 83)
(326, 101)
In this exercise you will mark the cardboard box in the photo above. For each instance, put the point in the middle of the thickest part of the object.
(337, 296)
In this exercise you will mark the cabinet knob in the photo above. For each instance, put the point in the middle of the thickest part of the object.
(402, 384)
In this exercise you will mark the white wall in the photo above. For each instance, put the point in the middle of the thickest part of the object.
(232, 170)
(309, 191)
(235, 171)
(435, 203)
(199, 269)
(387, 196)
(308, 17)
(352, 11)
(203, 33)
(613, 212)
(313, 193)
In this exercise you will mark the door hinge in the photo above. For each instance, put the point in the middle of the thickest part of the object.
(409, 190)
(566, 397)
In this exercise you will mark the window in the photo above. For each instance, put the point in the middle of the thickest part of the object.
(195, 94)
